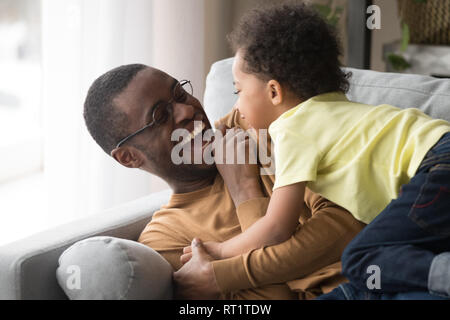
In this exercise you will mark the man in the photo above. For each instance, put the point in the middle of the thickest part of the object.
(131, 112)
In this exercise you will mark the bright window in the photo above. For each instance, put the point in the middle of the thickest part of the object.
(20, 88)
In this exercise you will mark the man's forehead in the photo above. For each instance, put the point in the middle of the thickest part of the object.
(148, 84)
(152, 79)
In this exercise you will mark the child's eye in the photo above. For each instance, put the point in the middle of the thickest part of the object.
(237, 91)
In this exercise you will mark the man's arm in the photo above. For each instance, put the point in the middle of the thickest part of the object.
(316, 244)
(276, 226)
(167, 243)
(319, 242)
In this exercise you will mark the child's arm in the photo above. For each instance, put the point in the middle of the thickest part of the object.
(276, 226)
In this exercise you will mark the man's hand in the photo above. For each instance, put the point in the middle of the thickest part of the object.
(242, 180)
(196, 279)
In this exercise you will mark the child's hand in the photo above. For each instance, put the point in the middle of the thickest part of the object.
(242, 180)
(213, 248)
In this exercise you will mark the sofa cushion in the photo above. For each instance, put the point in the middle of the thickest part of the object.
(431, 95)
(108, 268)
(219, 98)
(27, 266)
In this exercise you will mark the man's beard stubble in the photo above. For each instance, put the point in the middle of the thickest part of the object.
(182, 172)
(192, 172)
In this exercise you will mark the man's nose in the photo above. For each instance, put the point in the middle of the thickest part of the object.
(182, 112)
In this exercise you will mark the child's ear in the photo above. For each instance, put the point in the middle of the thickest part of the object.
(275, 92)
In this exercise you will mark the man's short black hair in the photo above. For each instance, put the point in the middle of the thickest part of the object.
(292, 44)
(106, 124)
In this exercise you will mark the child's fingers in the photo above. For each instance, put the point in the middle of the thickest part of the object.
(186, 257)
(187, 249)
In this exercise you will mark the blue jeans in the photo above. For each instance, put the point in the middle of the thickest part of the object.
(347, 291)
(405, 237)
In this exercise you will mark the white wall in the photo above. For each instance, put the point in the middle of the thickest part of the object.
(178, 40)
(218, 23)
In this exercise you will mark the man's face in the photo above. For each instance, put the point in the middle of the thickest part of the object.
(150, 89)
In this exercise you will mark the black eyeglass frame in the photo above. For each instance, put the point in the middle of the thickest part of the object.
(181, 83)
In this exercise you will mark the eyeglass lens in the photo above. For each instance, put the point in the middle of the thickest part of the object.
(180, 94)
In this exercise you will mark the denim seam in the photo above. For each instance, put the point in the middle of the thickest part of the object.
(441, 166)
(347, 295)
(413, 216)
(429, 157)
(435, 158)
(442, 140)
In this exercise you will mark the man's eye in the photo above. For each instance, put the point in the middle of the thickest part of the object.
(181, 96)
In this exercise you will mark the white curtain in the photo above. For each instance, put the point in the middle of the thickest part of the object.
(81, 40)
(179, 38)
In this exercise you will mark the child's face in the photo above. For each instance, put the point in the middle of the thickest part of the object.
(253, 102)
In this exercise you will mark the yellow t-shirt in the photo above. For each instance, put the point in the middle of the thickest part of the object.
(353, 154)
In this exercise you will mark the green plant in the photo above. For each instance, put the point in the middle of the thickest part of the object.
(397, 60)
(329, 12)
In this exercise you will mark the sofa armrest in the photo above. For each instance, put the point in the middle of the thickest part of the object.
(28, 266)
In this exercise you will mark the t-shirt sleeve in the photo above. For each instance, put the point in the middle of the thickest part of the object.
(296, 158)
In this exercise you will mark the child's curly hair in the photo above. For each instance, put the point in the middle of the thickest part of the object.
(293, 45)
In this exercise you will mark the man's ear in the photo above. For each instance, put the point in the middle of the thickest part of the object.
(127, 156)
(276, 93)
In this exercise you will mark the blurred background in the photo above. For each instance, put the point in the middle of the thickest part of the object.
(51, 171)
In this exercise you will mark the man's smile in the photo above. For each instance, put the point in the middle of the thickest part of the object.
(198, 130)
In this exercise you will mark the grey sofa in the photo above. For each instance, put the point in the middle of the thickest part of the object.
(28, 266)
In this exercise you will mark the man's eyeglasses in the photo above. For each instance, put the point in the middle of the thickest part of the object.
(163, 111)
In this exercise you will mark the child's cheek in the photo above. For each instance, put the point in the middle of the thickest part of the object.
(253, 116)
(245, 106)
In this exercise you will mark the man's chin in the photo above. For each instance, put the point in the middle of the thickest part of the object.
(193, 172)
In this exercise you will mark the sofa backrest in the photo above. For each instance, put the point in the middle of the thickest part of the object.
(431, 95)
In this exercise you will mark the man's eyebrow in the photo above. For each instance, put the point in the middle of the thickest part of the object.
(150, 110)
